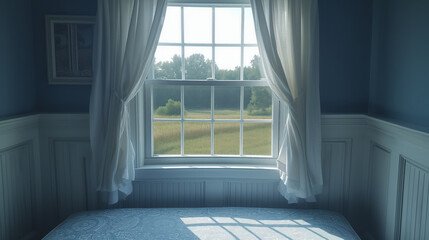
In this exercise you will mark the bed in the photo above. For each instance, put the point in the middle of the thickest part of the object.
(204, 223)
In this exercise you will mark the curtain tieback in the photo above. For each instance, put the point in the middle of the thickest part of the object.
(124, 108)
(119, 98)
(123, 112)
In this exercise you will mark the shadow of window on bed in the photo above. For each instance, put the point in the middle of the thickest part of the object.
(247, 228)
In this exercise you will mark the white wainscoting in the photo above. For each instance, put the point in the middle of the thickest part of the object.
(73, 173)
(344, 159)
(378, 189)
(415, 207)
(245, 193)
(19, 191)
(397, 188)
(367, 164)
(166, 193)
(336, 170)
(66, 162)
(206, 185)
(67, 179)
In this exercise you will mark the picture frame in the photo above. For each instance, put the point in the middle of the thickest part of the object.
(69, 45)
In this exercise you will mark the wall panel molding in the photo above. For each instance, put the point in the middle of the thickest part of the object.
(167, 193)
(336, 160)
(74, 178)
(18, 201)
(415, 202)
(245, 193)
(389, 176)
(20, 196)
(380, 157)
(63, 135)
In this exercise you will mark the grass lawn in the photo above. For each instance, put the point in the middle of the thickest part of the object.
(256, 136)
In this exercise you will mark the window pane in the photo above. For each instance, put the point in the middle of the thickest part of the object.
(198, 25)
(227, 138)
(228, 63)
(257, 138)
(62, 50)
(251, 63)
(228, 25)
(171, 31)
(197, 138)
(198, 62)
(197, 102)
(168, 63)
(84, 47)
(227, 103)
(249, 27)
(166, 138)
(257, 103)
(166, 102)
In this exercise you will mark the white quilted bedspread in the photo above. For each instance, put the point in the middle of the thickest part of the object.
(204, 223)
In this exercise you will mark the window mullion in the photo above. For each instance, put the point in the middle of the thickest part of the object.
(182, 88)
(212, 87)
(241, 119)
(242, 46)
(207, 44)
(212, 120)
(204, 82)
(182, 113)
(151, 121)
(182, 19)
(242, 78)
(213, 44)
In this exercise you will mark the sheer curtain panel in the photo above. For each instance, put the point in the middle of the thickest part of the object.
(127, 33)
(288, 39)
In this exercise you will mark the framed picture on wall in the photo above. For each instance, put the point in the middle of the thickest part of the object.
(69, 44)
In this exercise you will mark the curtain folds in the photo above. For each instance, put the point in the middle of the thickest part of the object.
(127, 33)
(287, 34)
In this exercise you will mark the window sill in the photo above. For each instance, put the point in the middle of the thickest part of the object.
(207, 171)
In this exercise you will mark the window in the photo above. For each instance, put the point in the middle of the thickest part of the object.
(207, 98)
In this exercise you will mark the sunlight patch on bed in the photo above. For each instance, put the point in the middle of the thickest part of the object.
(248, 228)
(197, 220)
(211, 232)
(224, 220)
(278, 222)
(247, 221)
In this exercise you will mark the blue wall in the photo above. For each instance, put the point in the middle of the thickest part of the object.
(345, 43)
(17, 82)
(399, 89)
(345, 36)
(58, 98)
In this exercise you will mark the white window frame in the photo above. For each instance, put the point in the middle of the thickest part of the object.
(147, 126)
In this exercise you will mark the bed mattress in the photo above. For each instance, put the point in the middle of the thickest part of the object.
(204, 223)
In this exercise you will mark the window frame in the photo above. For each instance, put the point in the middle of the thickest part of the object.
(145, 102)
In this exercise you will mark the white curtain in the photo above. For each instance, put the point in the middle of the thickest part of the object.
(288, 39)
(127, 33)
